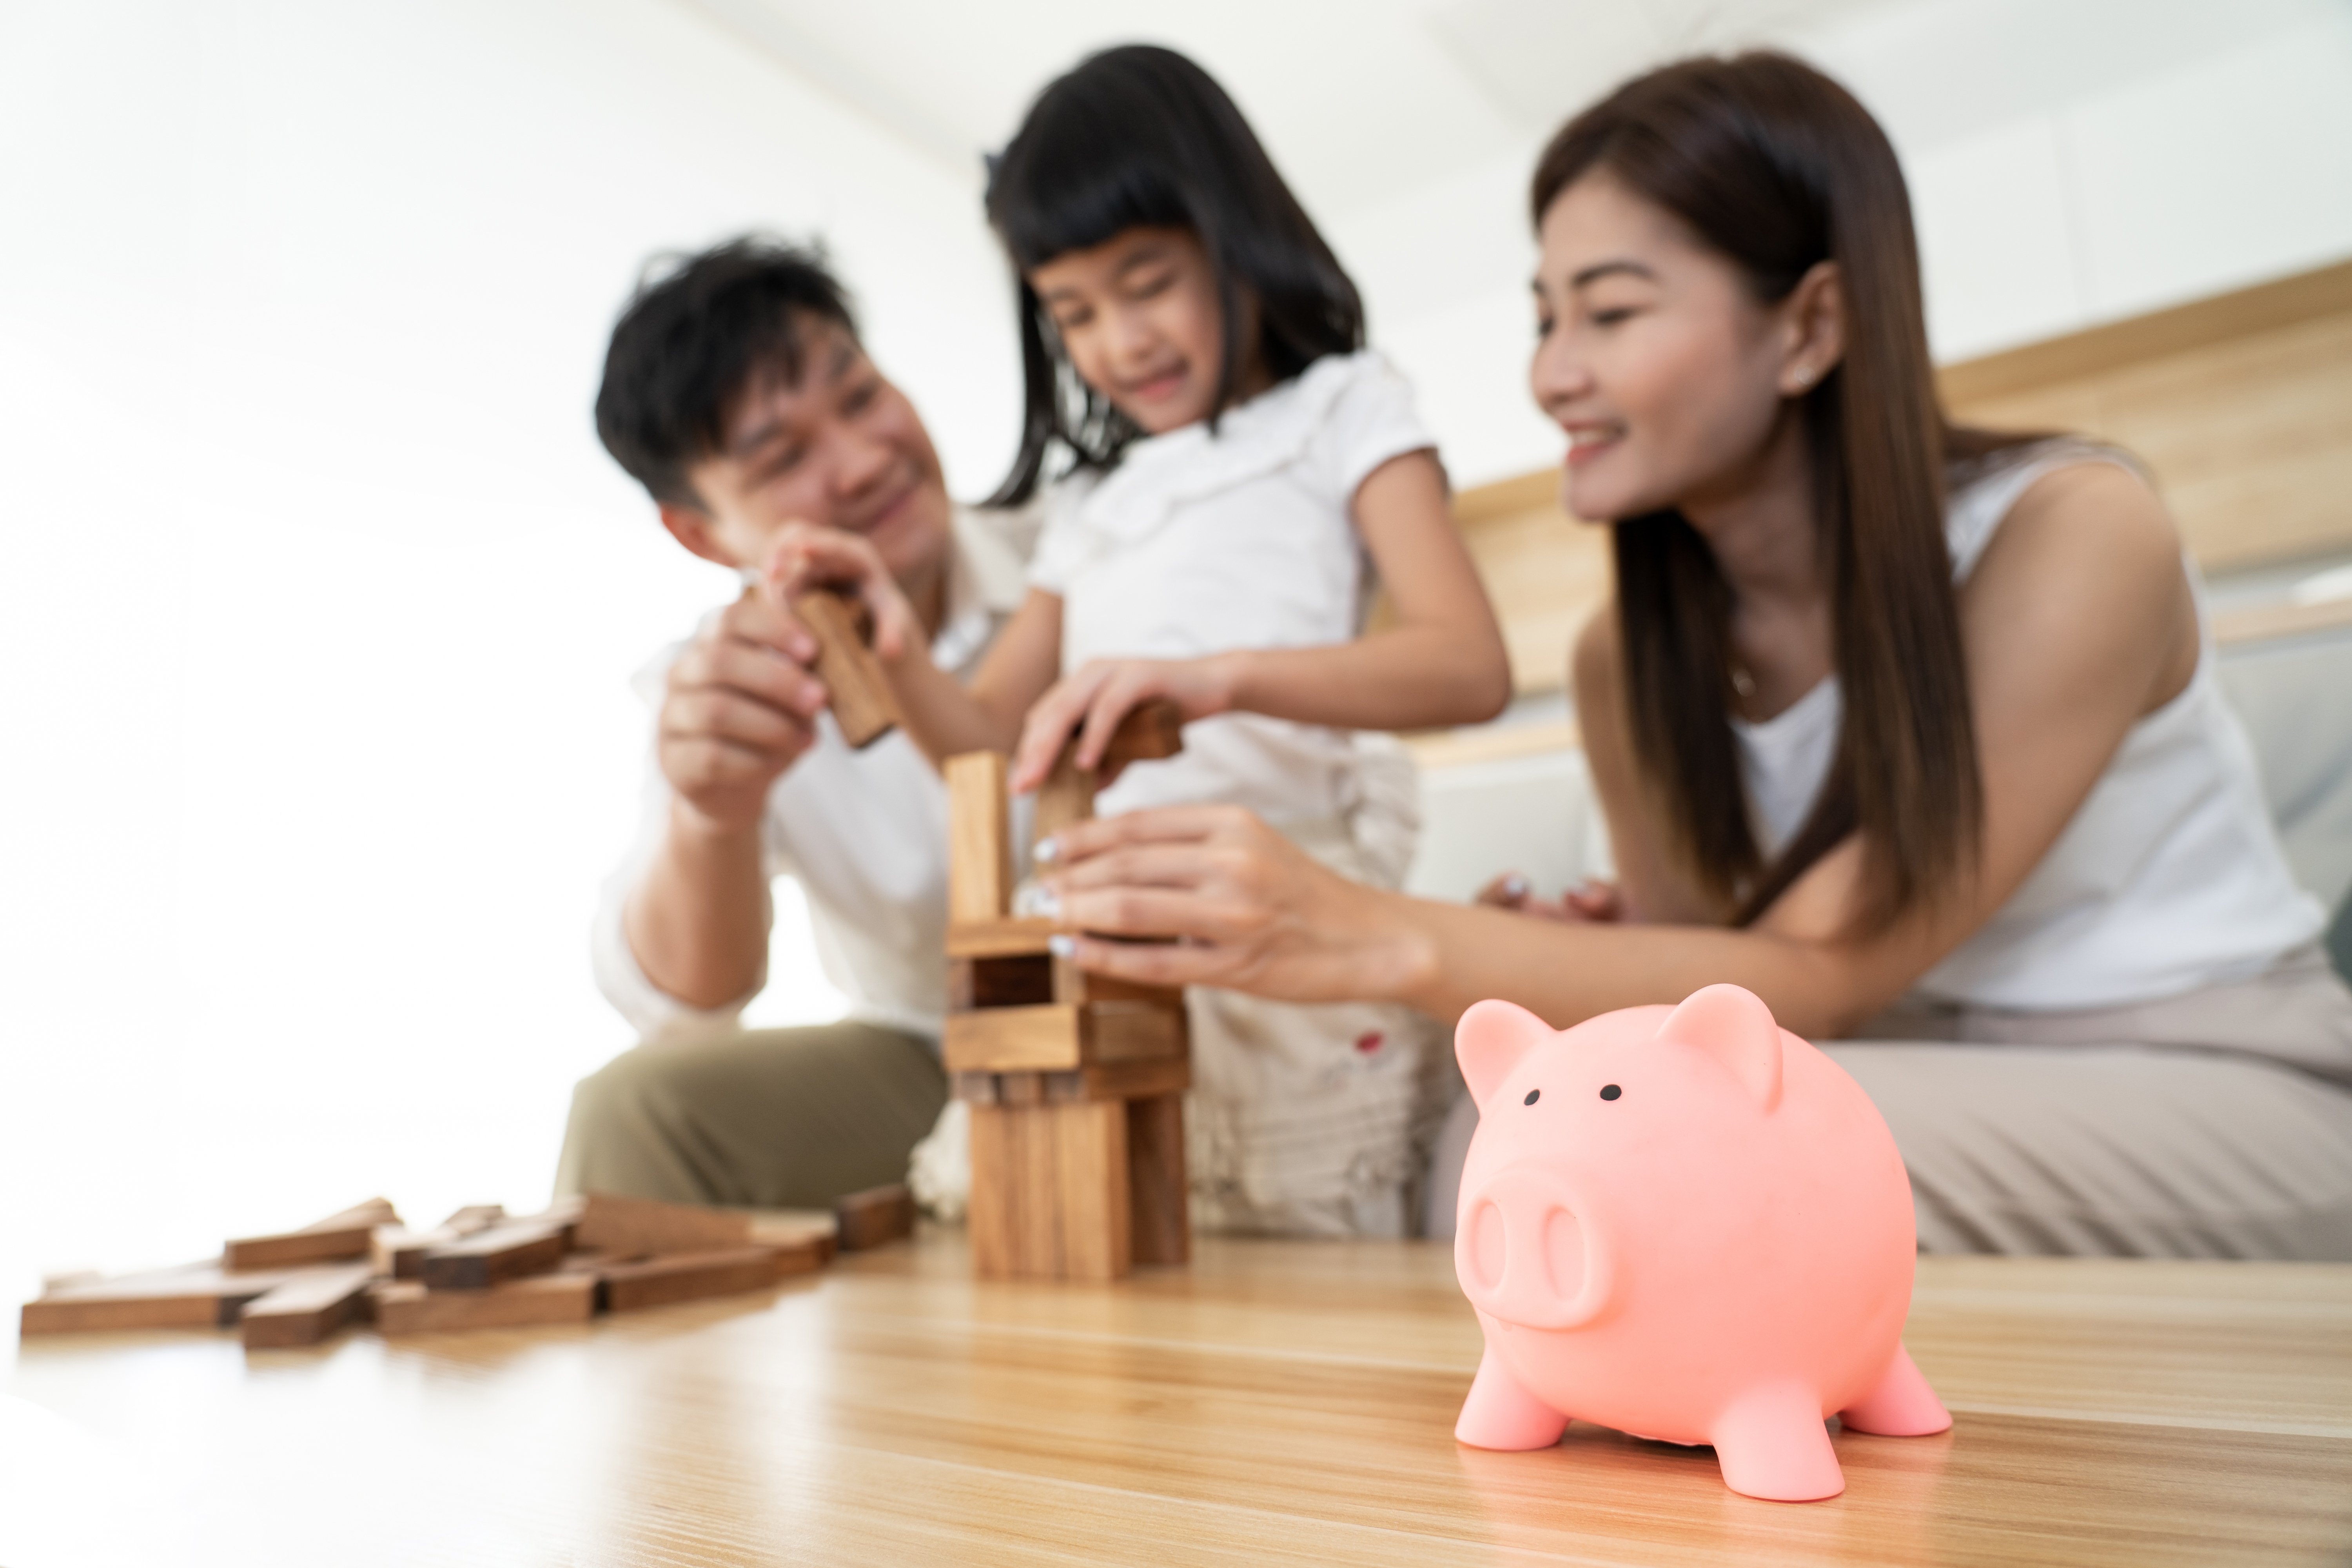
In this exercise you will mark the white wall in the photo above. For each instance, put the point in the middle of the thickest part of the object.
(318, 598)
(2071, 162)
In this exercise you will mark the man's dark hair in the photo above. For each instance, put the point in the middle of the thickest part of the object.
(696, 334)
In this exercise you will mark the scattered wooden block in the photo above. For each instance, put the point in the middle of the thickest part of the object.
(503, 1251)
(399, 1251)
(622, 1228)
(979, 843)
(1159, 1221)
(872, 1217)
(193, 1296)
(689, 1276)
(1060, 1037)
(862, 701)
(307, 1308)
(342, 1236)
(403, 1307)
(806, 1236)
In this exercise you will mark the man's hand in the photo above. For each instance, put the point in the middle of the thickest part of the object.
(740, 710)
(1101, 693)
(808, 556)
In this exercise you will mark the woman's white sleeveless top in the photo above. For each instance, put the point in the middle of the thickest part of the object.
(2168, 877)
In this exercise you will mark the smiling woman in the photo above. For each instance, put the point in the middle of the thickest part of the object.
(1912, 731)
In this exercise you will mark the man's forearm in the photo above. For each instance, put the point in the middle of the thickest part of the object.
(697, 923)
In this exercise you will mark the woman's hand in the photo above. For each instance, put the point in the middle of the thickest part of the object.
(1251, 910)
(1102, 693)
(807, 557)
(1589, 901)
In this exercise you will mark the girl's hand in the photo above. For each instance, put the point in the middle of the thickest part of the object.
(1253, 910)
(1101, 693)
(1591, 900)
(808, 557)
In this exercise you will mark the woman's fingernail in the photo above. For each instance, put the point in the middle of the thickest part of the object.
(1062, 944)
(1048, 851)
(1516, 885)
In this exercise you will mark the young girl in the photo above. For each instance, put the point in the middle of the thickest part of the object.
(1240, 467)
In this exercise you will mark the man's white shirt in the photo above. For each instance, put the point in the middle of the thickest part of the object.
(864, 833)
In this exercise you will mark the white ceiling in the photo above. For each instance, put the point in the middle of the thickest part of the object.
(1358, 99)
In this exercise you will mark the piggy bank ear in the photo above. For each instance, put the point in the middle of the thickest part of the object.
(1490, 1040)
(1735, 1028)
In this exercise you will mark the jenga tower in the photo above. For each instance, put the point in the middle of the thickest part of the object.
(1076, 1082)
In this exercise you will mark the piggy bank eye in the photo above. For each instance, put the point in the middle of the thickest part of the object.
(1532, 1095)
(1610, 1091)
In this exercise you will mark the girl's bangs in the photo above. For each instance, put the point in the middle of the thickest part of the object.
(1048, 207)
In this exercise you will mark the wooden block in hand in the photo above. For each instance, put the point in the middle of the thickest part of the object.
(193, 1296)
(309, 1307)
(622, 1228)
(342, 1236)
(689, 1276)
(861, 698)
(1152, 732)
(403, 1307)
(872, 1217)
(1067, 798)
(503, 1251)
(980, 837)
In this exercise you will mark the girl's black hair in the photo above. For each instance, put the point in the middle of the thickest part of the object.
(1138, 136)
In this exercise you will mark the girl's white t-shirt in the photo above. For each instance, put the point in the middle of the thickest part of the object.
(1201, 542)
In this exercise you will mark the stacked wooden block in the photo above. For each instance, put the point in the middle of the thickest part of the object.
(480, 1268)
(1075, 1083)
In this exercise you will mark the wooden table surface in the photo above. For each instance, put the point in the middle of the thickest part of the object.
(1275, 1403)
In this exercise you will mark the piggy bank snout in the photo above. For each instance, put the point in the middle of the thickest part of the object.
(1525, 1250)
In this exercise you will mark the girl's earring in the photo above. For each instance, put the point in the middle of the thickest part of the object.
(1804, 377)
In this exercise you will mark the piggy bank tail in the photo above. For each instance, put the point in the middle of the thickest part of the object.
(1902, 1405)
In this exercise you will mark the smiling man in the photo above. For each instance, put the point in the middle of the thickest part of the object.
(737, 392)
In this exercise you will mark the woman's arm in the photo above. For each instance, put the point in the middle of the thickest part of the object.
(2076, 623)
(1440, 660)
(944, 716)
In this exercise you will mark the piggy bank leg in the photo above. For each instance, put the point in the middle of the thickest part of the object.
(1772, 1443)
(1902, 1405)
(1499, 1414)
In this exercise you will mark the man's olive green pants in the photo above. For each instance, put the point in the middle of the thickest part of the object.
(767, 1119)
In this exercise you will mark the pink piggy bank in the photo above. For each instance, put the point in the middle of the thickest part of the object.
(1687, 1224)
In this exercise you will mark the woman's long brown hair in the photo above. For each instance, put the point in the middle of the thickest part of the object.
(1779, 168)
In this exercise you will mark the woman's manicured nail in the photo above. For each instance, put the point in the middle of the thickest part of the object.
(1514, 885)
(1062, 944)
(1035, 898)
(1048, 851)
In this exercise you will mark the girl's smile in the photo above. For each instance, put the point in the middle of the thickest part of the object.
(1140, 318)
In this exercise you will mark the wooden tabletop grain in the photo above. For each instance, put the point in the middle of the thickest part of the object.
(1275, 1403)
